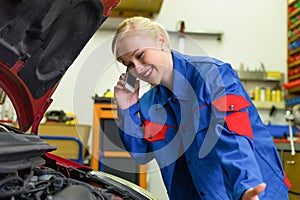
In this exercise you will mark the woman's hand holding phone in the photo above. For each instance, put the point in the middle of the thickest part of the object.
(130, 82)
(126, 93)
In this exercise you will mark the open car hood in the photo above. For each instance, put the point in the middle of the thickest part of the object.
(39, 40)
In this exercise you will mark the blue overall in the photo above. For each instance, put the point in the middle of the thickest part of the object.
(205, 134)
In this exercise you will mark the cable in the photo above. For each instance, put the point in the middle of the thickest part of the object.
(12, 185)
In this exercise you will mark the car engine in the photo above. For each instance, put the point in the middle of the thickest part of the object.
(28, 171)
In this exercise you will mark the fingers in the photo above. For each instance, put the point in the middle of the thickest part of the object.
(252, 193)
(121, 85)
(121, 81)
(122, 76)
(124, 98)
(259, 189)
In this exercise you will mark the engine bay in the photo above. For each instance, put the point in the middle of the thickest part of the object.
(28, 171)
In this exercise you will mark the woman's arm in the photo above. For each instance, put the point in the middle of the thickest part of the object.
(132, 134)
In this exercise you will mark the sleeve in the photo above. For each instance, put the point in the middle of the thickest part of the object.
(230, 122)
(132, 134)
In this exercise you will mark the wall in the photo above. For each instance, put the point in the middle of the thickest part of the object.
(254, 32)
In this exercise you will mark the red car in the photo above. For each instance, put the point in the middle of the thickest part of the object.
(39, 40)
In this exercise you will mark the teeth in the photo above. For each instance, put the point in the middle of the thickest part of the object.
(148, 72)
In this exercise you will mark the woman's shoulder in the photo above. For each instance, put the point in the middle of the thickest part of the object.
(201, 64)
(203, 59)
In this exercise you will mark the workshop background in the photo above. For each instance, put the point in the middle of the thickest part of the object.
(251, 35)
(254, 32)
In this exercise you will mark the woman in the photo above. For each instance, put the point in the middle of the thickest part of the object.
(197, 121)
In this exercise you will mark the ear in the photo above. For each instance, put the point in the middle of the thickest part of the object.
(162, 41)
(161, 38)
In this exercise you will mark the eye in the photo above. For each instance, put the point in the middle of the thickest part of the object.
(140, 55)
(130, 66)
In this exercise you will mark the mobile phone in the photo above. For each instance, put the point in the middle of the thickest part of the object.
(130, 81)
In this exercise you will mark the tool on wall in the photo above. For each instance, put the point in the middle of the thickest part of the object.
(289, 117)
(181, 45)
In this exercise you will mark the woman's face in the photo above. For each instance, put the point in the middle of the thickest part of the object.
(144, 57)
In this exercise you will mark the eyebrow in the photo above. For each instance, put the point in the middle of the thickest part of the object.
(131, 55)
(134, 52)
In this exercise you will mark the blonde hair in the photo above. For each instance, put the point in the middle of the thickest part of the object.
(145, 25)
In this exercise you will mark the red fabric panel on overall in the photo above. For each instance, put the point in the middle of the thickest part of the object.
(287, 182)
(231, 103)
(237, 121)
(154, 131)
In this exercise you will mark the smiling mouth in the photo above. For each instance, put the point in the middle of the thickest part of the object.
(148, 73)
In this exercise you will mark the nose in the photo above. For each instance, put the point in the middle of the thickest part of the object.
(139, 68)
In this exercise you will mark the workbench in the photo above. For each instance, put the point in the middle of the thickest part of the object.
(291, 164)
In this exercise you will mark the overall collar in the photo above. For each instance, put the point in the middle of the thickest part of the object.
(180, 82)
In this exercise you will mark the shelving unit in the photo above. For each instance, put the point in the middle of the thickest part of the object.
(108, 152)
(253, 79)
(269, 104)
(292, 97)
(293, 70)
(215, 34)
